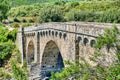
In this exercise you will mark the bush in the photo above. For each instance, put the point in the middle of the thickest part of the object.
(26, 24)
(75, 15)
(110, 16)
(60, 3)
(12, 35)
(14, 25)
(4, 74)
(6, 51)
(31, 21)
(6, 44)
(51, 13)
(3, 34)
(21, 14)
(74, 4)
(18, 73)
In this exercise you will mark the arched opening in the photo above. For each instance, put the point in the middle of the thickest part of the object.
(85, 41)
(60, 34)
(46, 33)
(64, 36)
(79, 39)
(92, 43)
(30, 52)
(52, 33)
(56, 33)
(51, 60)
(43, 33)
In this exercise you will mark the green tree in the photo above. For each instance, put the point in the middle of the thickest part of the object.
(18, 73)
(51, 13)
(6, 43)
(4, 8)
(110, 39)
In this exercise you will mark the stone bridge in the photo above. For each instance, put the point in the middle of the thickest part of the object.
(45, 47)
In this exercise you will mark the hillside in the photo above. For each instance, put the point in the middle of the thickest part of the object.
(88, 11)
(15, 3)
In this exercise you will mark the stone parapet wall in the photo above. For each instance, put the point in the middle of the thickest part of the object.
(88, 28)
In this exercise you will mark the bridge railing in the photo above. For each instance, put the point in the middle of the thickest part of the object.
(90, 28)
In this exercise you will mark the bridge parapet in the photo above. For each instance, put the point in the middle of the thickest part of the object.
(85, 28)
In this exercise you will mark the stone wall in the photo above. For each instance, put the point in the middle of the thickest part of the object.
(73, 39)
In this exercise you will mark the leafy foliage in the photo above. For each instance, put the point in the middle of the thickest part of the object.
(90, 11)
(18, 73)
(4, 8)
(6, 43)
(6, 50)
(4, 74)
(51, 13)
(110, 38)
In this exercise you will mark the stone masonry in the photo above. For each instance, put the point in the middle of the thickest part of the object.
(41, 45)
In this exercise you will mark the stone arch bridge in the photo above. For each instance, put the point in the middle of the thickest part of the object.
(46, 46)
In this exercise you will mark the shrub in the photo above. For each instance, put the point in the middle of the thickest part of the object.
(3, 34)
(31, 21)
(74, 4)
(75, 15)
(60, 3)
(4, 74)
(51, 13)
(6, 51)
(18, 73)
(26, 24)
(6, 44)
(21, 14)
(110, 16)
(12, 35)
(14, 25)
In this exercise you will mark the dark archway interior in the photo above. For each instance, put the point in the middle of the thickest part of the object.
(85, 41)
(92, 43)
(30, 54)
(51, 60)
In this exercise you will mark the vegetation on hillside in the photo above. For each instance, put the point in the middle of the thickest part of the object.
(7, 39)
(4, 8)
(88, 11)
(15, 3)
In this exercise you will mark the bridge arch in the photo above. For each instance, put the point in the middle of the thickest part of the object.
(51, 59)
(52, 33)
(60, 34)
(56, 33)
(92, 43)
(30, 52)
(43, 33)
(85, 41)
